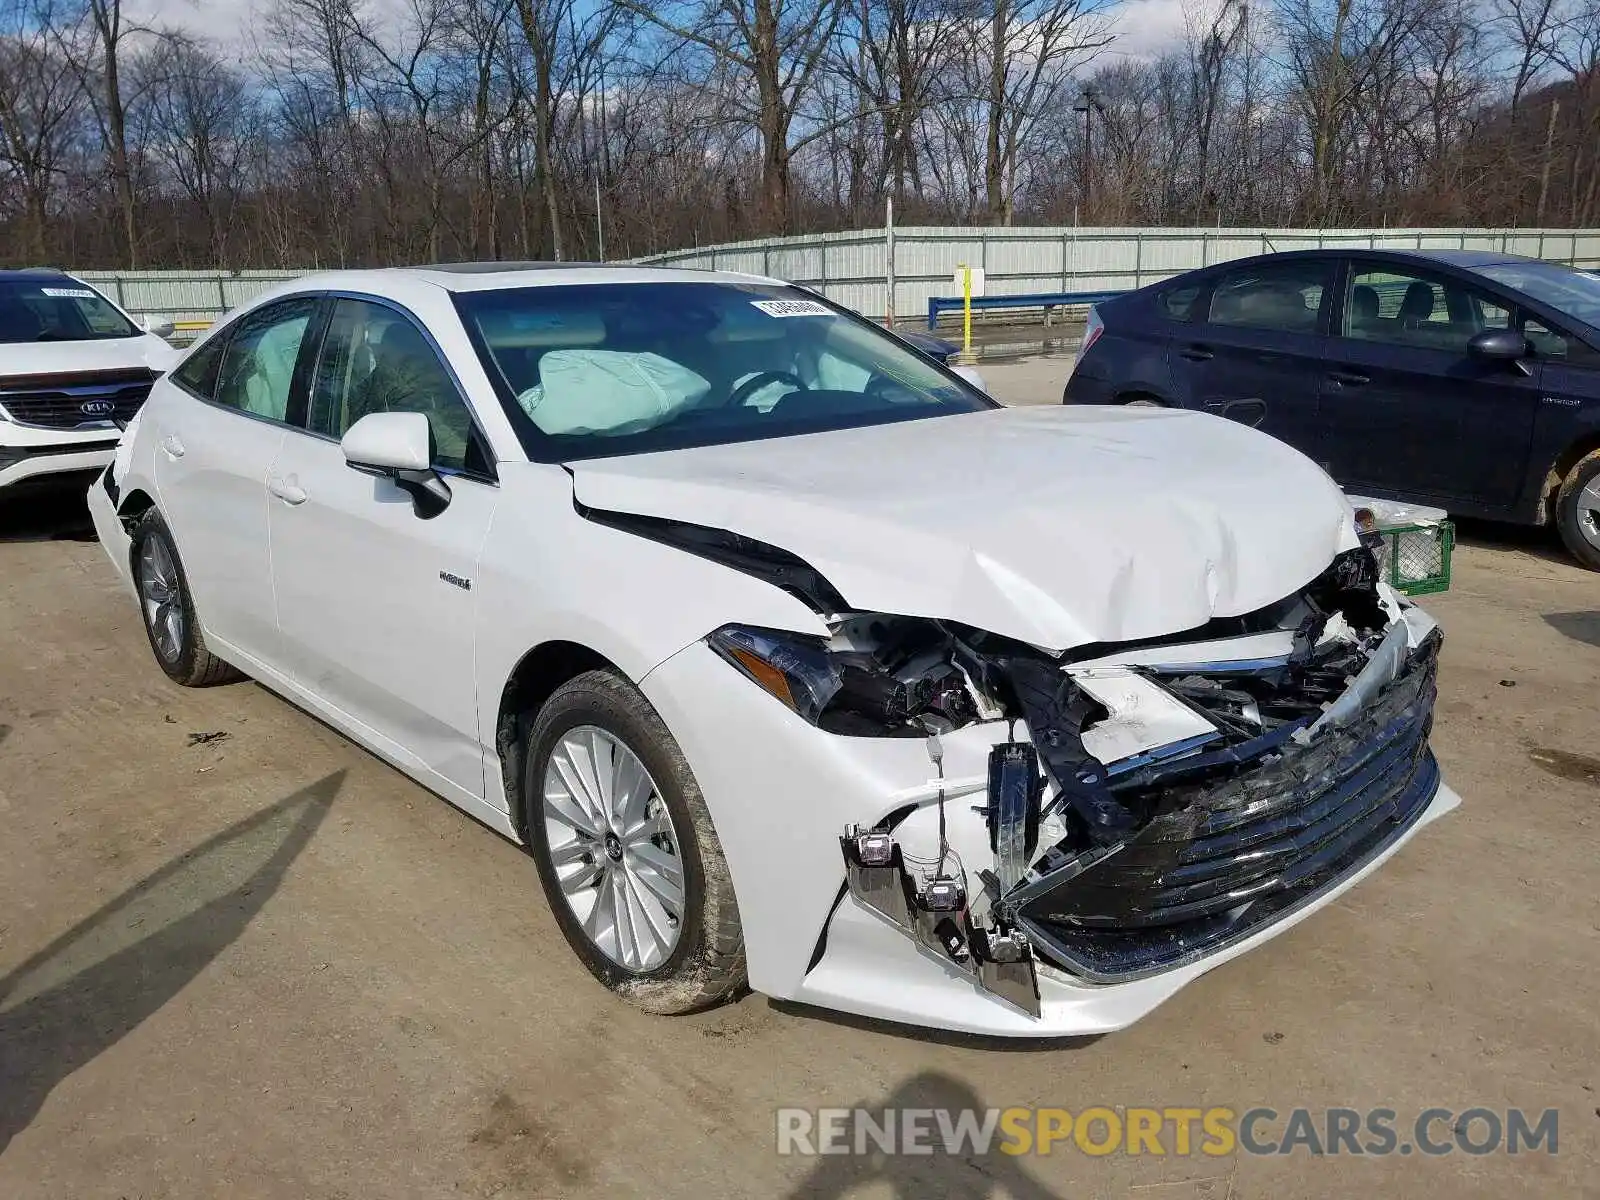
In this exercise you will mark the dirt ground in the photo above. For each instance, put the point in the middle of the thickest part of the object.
(241, 958)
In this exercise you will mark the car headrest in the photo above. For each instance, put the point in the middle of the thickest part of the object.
(1364, 302)
(1418, 302)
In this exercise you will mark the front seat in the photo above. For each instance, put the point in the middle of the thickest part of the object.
(402, 369)
(1363, 305)
(1417, 305)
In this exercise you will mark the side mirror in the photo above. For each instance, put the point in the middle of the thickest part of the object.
(399, 446)
(971, 375)
(1499, 345)
(159, 326)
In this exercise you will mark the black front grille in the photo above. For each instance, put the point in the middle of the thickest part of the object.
(1218, 862)
(82, 398)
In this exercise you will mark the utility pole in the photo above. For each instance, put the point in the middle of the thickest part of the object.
(1087, 106)
(888, 251)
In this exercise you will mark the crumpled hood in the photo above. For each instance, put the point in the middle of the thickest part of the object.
(1057, 526)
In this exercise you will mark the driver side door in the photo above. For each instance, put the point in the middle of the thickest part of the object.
(375, 602)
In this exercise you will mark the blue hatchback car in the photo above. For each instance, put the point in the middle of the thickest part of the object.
(1465, 380)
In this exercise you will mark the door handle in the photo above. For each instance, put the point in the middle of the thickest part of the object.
(1195, 354)
(289, 493)
(172, 446)
(1349, 378)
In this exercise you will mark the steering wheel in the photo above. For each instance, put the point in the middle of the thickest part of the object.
(756, 382)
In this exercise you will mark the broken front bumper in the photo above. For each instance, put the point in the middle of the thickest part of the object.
(1256, 853)
(1220, 860)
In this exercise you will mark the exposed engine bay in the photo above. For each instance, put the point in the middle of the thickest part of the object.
(1153, 801)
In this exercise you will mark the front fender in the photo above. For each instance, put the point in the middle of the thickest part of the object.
(548, 574)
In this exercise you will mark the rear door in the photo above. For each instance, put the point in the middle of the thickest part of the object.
(219, 424)
(1256, 355)
(375, 602)
(1409, 411)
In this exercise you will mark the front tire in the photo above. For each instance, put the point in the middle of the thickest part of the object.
(626, 852)
(167, 606)
(1578, 511)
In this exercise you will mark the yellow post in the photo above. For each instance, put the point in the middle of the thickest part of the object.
(966, 313)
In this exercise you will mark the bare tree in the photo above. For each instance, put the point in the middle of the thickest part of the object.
(779, 47)
(94, 35)
(1023, 56)
(41, 110)
(201, 118)
(382, 131)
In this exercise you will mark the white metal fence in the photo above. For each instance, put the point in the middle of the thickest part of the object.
(188, 298)
(853, 268)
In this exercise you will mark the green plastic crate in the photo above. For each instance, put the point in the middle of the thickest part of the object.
(1415, 559)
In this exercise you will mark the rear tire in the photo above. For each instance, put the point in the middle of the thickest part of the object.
(1578, 510)
(1142, 400)
(615, 870)
(167, 606)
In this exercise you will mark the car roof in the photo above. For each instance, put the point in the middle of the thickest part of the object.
(492, 276)
(1465, 259)
(1460, 258)
(33, 273)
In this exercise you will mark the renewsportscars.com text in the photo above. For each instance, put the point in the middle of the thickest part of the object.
(1177, 1131)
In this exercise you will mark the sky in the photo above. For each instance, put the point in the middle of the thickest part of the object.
(1144, 28)
(1147, 28)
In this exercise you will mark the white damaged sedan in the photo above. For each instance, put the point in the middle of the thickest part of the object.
(793, 659)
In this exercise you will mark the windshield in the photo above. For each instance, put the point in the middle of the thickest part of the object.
(57, 309)
(1576, 293)
(625, 368)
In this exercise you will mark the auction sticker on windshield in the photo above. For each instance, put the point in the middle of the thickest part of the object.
(793, 308)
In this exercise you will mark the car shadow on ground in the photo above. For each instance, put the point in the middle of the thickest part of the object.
(1539, 541)
(46, 515)
(101, 979)
(1579, 626)
(954, 1172)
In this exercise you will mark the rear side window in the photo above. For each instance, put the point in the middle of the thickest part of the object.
(198, 373)
(1178, 303)
(1281, 296)
(258, 364)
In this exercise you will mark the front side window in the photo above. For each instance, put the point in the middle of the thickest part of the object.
(258, 364)
(1421, 311)
(375, 359)
(44, 308)
(1280, 296)
(604, 369)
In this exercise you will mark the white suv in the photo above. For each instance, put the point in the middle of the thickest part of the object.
(74, 368)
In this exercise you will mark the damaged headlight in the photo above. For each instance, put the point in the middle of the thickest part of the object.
(881, 676)
(795, 669)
